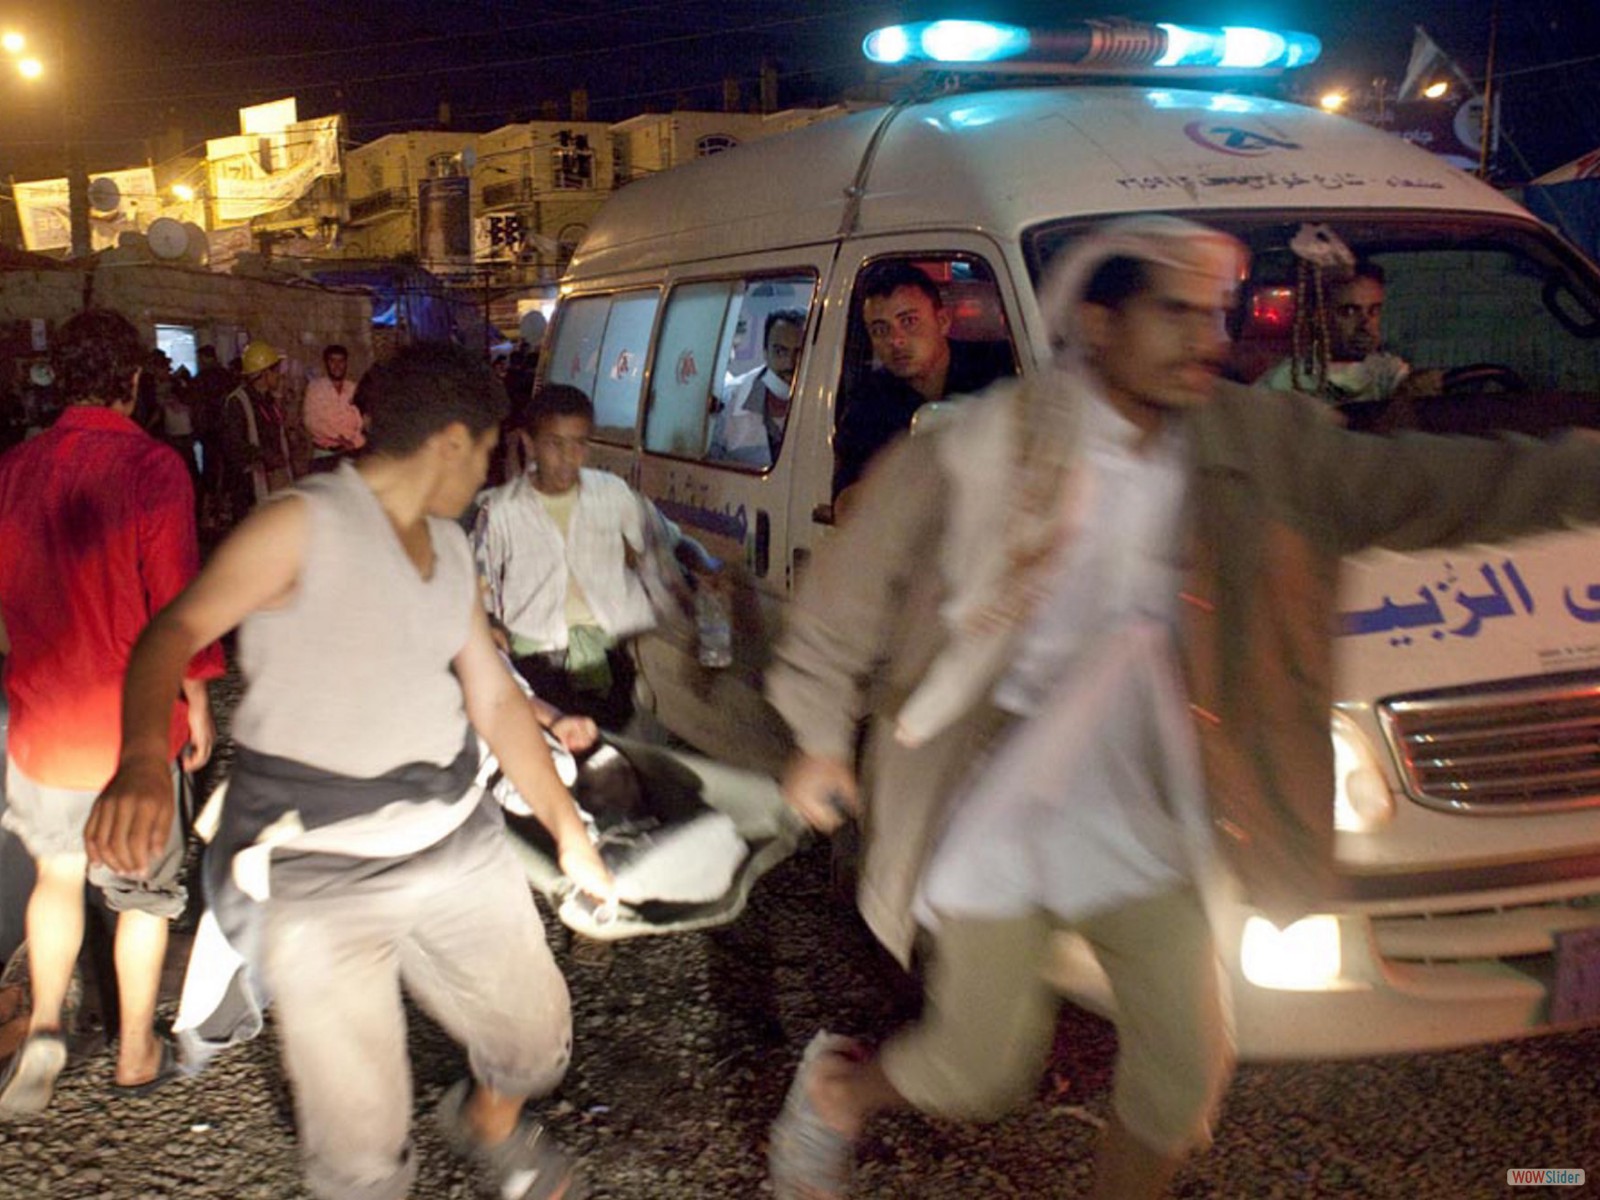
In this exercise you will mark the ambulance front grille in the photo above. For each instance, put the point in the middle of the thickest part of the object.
(1525, 746)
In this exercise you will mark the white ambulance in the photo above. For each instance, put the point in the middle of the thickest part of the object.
(1467, 725)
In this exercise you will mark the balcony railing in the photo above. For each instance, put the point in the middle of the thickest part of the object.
(378, 204)
(507, 192)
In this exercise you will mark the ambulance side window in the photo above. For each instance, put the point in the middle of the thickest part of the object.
(907, 313)
(725, 358)
(686, 368)
(599, 348)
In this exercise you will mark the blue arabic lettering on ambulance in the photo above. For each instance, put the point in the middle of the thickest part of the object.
(1589, 615)
(1471, 608)
(734, 525)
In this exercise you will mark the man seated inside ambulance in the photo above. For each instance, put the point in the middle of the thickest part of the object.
(749, 427)
(1349, 365)
(917, 362)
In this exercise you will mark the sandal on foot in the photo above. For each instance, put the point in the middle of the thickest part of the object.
(30, 1078)
(167, 1070)
(528, 1165)
(807, 1158)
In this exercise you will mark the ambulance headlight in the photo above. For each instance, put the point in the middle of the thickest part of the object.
(1305, 957)
(1362, 801)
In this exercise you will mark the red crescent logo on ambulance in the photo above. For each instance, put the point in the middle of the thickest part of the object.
(686, 368)
(1230, 139)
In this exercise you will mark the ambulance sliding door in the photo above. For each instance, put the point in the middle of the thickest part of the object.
(722, 441)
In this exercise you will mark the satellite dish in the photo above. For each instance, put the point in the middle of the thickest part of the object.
(531, 329)
(168, 238)
(199, 245)
(104, 195)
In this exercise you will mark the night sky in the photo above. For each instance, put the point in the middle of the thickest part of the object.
(157, 64)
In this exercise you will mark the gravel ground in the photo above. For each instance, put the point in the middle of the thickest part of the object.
(684, 1047)
(683, 1050)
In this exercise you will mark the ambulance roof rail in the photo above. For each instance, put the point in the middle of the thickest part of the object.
(1106, 46)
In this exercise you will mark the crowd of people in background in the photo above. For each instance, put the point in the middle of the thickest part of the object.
(185, 408)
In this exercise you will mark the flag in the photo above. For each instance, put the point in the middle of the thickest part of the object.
(1584, 167)
(1454, 125)
(1428, 65)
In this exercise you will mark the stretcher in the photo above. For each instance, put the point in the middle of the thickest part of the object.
(685, 837)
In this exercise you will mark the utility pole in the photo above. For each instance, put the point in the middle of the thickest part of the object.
(1486, 129)
(72, 123)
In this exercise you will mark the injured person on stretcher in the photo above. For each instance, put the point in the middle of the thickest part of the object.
(685, 837)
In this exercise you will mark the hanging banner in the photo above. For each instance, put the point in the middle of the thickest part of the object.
(1451, 127)
(258, 173)
(271, 117)
(119, 202)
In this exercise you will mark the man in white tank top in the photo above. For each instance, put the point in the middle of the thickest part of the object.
(354, 832)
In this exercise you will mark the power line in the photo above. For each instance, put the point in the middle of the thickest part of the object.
(366, 47)
(498, 64)
(1555, 66)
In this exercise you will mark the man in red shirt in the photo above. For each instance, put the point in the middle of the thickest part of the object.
(96, 535)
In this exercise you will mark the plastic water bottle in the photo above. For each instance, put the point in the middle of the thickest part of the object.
(713, 627)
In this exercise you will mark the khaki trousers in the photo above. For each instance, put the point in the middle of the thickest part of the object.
(457, 925)
(991, 1016)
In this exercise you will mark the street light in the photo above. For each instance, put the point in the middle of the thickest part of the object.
(1434, 90)
(31, 67)
(1333, 101)
(14, 44)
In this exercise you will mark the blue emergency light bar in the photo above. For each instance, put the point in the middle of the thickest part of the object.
(1109, 45)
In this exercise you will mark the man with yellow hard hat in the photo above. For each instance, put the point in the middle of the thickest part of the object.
(255, 446)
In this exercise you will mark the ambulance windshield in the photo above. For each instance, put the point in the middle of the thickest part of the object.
(1490, 323)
